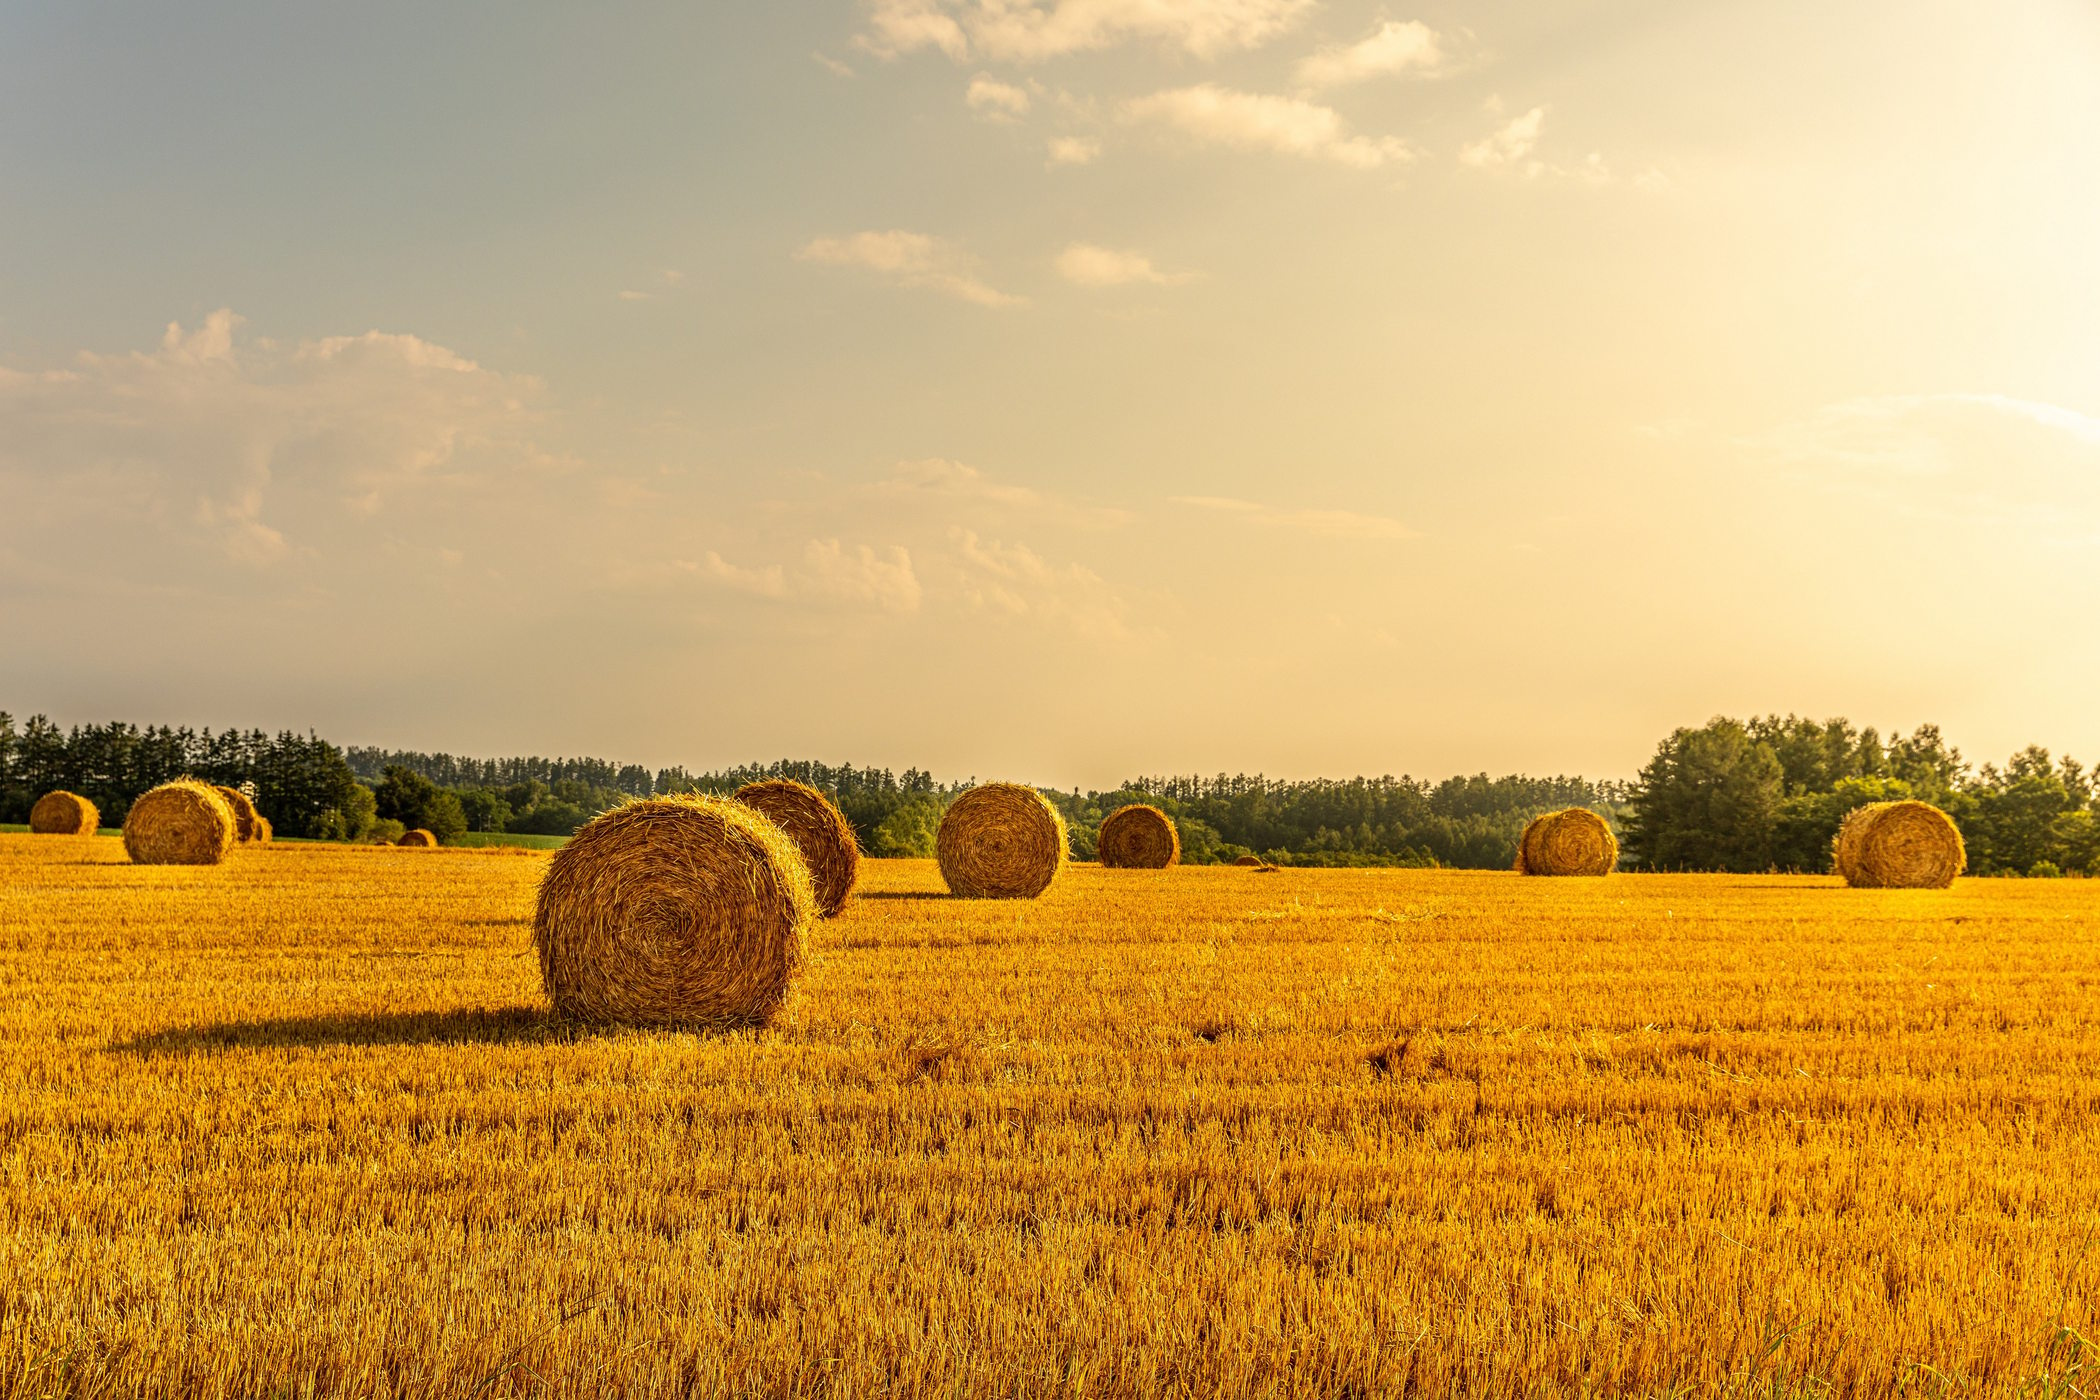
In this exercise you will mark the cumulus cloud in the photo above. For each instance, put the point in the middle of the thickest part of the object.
(1086, 265)
(1029, 31)
(997, 101)
(1511, 145)
(1394, 48)
(1266, 122)
(1338, 524)
(910, 260)
(1074, 150)
(827, 573)
(1014, 581)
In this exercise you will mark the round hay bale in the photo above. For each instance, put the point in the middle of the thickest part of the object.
(64, 814)
(264, 832)
(818, 829)
(1138, 837)
(1898, 846)
(1000, 841)
(244, 814)
(1574, 842)
(676, 911)
(417, 838)
(1250, 860)
(180, 823)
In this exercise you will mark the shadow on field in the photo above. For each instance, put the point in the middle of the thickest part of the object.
(905, 894)
(513, 1025)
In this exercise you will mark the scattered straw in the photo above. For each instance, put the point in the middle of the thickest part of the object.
(1000, 841)
(1138, 837)
(1574, 842)
(676, 911)
(818, 829)
(180, 823)
(1898, 846)
(64, 814)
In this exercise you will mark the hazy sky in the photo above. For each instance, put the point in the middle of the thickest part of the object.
(1056, 389)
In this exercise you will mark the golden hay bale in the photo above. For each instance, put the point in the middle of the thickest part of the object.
(1574, 842)
(180, 823)
(64, 814)
(1251, 861)
(244, 814)
(1000, 841)
(1898, 846)
(1138, 837)
(264, 832)
(818, 829)
(418, 837)
(675, 911)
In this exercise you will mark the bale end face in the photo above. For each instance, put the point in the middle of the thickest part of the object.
(1898, 846)
(1572, 842)
(245, 817)
(418, 839)
(180, 823)
(1000, 841)
(64, 814)
(1138, 837)
(680, 911)
(820, 832)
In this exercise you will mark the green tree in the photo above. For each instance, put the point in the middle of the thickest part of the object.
(1708, 800)
(486, 810)
(413, 800)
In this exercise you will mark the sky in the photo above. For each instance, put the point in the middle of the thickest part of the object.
(1058, 390)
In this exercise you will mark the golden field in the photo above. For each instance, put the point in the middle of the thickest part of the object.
(298, 1125)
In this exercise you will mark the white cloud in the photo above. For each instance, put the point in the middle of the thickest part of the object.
(1087, 265)
(1511, 145)
(1028, 31)
(629, 294)
(938, 477)
(1339, 524)
(1395, 47)
(1262, 121)
(828, 573)
(988, 97)
(911, 260)
(832, 66)
(1074, 150)
(1013, 580)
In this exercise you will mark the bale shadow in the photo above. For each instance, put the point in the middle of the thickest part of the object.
(512, 1025)
(905, 894)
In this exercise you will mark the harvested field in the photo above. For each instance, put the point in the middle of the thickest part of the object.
(300, 1120)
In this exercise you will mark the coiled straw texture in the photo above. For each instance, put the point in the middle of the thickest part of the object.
(180, 823)
(1898, 846)
(1000, 841)
(677, 911)
(1138, 837)
(1574, 842)
(247, 822)
(64, 814)
(820, 832)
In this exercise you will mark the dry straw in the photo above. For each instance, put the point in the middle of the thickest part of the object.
(1574, 842)
(1000, 841)
(675, 911)
(419, 837)
(1898, 846)
(818, 829)
(264, 832)
(180, 823)
(1138, 837)
(64, 814)
(1250, 860)
(245, 818)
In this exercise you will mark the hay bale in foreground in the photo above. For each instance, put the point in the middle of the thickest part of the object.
(417, 838)
(819, 830)
(180, 823)
(245, 817)
(1000, 841)
(1898, 846)
(1138, 837)
(676, 911)
(1250, 860)
(1574, 842)
(64, 814)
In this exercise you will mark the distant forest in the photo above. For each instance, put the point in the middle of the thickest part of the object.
(1750, 796)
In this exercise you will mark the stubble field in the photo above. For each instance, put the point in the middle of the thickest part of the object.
(297, 1124)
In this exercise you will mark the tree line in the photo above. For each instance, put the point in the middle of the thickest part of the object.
(1733, 795)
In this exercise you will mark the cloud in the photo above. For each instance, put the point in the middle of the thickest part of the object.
(1029, 31)
(988, 97)
(910, 260)
(1512, 145)
(253, 450)
(831, 65)
(828, 573)
(933, 478)
(1395, 47)
(1012, 580)
(1085, 265)
(1338, 524)
(1074, 150)
(1262, 121)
